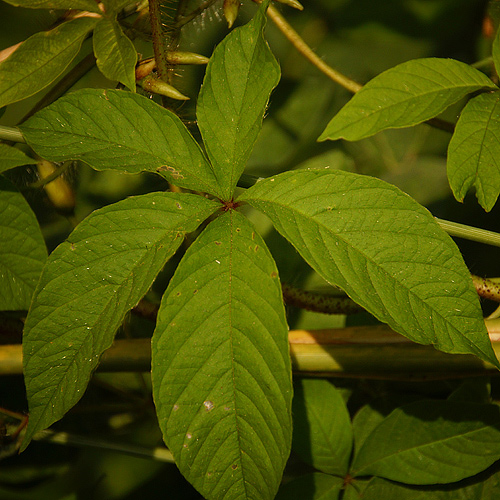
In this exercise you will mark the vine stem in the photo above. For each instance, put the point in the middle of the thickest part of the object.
(158, 45)
(487, 288)
(470, 233)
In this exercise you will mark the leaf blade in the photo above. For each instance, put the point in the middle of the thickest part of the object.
(221, 369)
(473, 151)
(22, 249)
(56, 4)
(239, 79)
(383, 249)
(99, 127)
(11, 157)
(88, 285)
(405, 95)
(115, 53)
(41, 59)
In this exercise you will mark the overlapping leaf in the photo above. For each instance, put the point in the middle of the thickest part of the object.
(56, 4)
(240, 77)
(322, 426)
(100, 128)
(405, 95)
(41, 59)
(88, 285)
(22, 249)
(431, 442)
(474, 151)
(221, 368)
(315, 486)
(115, 53)
(11, 157)
(384, 249)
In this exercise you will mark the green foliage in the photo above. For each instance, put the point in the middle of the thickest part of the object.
(221, 368)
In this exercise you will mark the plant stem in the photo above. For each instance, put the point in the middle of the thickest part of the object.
(54, 175)
(298, 42)
(11, 134)
(158, 42)
(470, 233)
(486, 288)
(183, 20)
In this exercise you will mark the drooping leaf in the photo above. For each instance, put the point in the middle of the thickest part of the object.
(100, 128)
(22, 249)
(384, 249)
(56, 4)
(315, 486)
(115, 53)
(239, 79)
(322, 433)
(11, 157)
(474, 151)
(221, 367)
(41, 59)
(431, 442)
(89, 283)
(405, 95)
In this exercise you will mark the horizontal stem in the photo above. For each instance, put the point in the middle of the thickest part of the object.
(470, 233)
(11, 134)
(362, 351)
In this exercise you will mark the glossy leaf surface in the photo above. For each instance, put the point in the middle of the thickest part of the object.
(88, 285)
(221, 367)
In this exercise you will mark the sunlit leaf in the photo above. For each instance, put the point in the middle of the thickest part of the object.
(405, 95)
(474, 151)
(384, 249)
(239, 79)
(22, 249)
(100, 128)
(221, 367)
(41, 59)
(89, 283)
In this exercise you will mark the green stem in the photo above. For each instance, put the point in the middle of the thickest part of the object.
(11, 134)
(54, 175)
(470, 233)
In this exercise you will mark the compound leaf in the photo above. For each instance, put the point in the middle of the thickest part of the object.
(22, 249)
(322, 432)
(431, 442)
(39, 60)
(474, 151)
(100, 128)
(115, 53)
(221, 367)
(405, 95)
(239, 79)
(384, 249)
(87, 286)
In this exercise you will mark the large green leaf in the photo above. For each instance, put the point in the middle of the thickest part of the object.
(41, 59)
(322, 432)
(240, 76)
(384, 249)
(56, 4)
(221, 367)
(405, 95)
(115, 53)
(315, 486)
(431, 442)
(89, 283)
(11, 157)
(101, 128)
(22, 249)
(474, 151)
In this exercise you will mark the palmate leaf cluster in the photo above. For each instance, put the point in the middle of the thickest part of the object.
(221, 369)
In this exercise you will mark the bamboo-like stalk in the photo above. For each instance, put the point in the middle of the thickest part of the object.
(364, 351)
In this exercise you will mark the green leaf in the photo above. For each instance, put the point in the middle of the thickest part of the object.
(221, 367)
(56, 4)
(41, 59)
(322, 433)
(405, 95)
(22, 249)
(239, 79)
(431, 442)
(474, 150)
(115, 53)
(100, 128)
(11, 157)
(315, 486)
(384, 249)
(88, 285)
